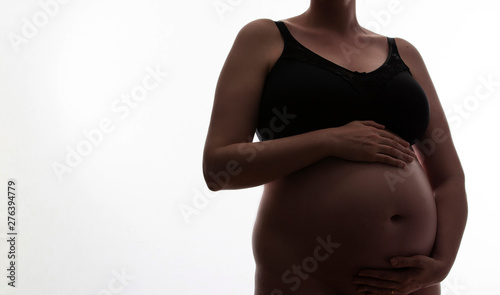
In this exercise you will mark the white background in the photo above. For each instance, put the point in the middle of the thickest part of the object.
(117, 210)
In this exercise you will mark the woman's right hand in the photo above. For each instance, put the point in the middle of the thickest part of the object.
(368, 141)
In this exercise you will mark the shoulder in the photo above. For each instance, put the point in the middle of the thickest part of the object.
(259, 30)
(259, 40)
(410, 55)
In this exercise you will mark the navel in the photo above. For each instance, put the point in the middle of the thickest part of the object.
(396, 218)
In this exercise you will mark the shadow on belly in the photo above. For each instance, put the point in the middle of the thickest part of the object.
(351, 205)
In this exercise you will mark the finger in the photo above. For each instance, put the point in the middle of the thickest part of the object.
(383, 284)
(363, 289)
(373, 124)
(395, 153)
(386, 275)
(383, 158)
(398, 145)
(396, 150)
(394, 137)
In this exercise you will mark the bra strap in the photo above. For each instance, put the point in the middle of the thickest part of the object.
(396, 59)
(394, 47)
(287, 37)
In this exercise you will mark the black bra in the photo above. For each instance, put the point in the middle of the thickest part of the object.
(305, 92)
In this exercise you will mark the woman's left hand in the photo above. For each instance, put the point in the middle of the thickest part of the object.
(410, 274)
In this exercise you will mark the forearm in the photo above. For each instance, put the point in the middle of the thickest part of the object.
(451, 202)
(243, 165)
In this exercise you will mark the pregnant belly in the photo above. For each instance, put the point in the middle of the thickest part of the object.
(317, 227)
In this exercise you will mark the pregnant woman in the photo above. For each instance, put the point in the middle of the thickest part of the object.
(363, 189)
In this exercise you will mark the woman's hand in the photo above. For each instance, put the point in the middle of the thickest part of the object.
(367, 141)
(410, 274)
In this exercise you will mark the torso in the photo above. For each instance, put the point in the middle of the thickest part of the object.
(368, 212)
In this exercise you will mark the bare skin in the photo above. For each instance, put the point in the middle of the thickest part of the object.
(326, 182)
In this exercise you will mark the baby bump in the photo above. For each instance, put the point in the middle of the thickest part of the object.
(370, 211)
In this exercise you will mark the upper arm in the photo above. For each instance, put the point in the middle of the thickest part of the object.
(239, 87)
(435, 149)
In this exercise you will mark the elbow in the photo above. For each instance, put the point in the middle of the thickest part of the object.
(208, 176)
(219, 177)
(208, 166)
(216, 178)
(212, 185)
(222, 171)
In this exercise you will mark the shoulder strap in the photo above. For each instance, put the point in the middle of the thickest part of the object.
(285, 33)
(396, 59)
(394, 48)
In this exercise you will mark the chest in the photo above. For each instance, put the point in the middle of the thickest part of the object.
(319, 96)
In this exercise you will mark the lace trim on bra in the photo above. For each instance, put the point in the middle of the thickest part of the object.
(366, 84)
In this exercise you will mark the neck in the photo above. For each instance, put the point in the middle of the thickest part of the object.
(332, 15)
